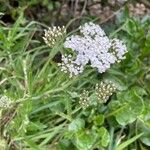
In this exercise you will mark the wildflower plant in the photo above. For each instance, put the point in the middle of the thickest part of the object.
(45, 106)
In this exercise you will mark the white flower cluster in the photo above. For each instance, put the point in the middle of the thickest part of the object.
(53, 35)
(84, 99)
(104, 90)
(101, 95)
(94, 47)
(5, 102)
(68, 65)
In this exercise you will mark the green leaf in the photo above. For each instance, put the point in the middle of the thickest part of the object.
(143, 124)
(131, 106)
(145, 51)
(99, 120)
(85, 140)
(65, 144)
(146, 136)
(133, 68)
(105, 137)
(118, 78)
(140, 90)
(76, 125)
(33, 145)
(128, 142)
(130, 26)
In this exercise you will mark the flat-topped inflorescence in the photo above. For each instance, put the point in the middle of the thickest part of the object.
(94, 47)
(53, 35)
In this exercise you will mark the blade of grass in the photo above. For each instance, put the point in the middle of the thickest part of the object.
(128, 142)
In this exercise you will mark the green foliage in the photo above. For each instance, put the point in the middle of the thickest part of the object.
(45, 112)
(130, 106)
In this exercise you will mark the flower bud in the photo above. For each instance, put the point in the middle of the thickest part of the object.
(84, 99)
(53, 35)
(104, 90)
